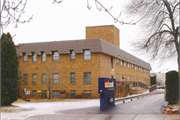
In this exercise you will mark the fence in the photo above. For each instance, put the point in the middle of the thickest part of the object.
(137, 96)
(132, 84)
(152, 88)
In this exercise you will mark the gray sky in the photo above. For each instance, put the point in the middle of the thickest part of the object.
(67, 21)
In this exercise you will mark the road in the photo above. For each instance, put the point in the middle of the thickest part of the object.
(147, 108)
(147, 105)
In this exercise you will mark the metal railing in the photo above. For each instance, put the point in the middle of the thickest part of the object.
(152, 88)
(134, 84)
(137, 96)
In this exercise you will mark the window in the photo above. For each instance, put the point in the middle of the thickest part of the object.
(117, 77)
(136, 68)
(87, 77)
(34, 78)
(55, 78)
(132, 78)
(43, 95)
(72, 77)
(125, 78)
(25, 79)
(72, 53)
(87, 55)
(124, 63)
(34, 92)
(132, 66)
(73, 93)
(55, 56)
(43, 78)
(122, 77)
(87, 93)
(117, 61)
(111, 62)
(56, 94)
(43, 57)
(34, 57)
(25, 57)
(128, 78)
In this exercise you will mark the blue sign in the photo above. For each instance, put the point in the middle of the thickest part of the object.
(106, 89)
(106, 85)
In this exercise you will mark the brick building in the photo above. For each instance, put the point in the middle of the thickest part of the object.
(72, 68)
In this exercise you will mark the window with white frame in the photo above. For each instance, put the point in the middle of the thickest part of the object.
(73, 78)
(72, 54)
(125, 78)
(55, 78)
(87, 77)
(25, 57)
(25, 79)
(118, 77)
(34, 57)
(87, 54)
(128, 78)
(43, 57)
(56, 94)
(34, 78)
(55, 56)
(34, 92)
(122, 77)
(43, 78)
(124, 63)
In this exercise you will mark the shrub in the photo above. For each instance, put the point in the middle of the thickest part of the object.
(153, 80)
(9, 70)
(172, 87)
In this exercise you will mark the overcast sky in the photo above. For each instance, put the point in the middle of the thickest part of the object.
(68, 20)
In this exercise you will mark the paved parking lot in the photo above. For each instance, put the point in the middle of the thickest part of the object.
(74, 110)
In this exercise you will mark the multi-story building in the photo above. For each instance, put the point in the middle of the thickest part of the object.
(65, 67)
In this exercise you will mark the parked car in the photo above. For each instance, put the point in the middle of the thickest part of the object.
(161, 88)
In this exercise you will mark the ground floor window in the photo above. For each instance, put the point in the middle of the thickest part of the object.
(56, 94)
(87, 77)
(43, 95)
(73, 93)
(34, 92)
(87, 94)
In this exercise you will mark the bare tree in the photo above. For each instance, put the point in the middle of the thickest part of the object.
(159, 22)
(159, 27)
(52, 76)
(12, 11)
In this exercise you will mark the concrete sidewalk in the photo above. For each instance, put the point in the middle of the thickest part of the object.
(106, 117)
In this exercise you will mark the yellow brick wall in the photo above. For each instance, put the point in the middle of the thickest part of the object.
(64, 67)
(99, 66)
(108, 33)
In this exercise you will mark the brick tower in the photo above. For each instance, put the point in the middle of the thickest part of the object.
(108, 33)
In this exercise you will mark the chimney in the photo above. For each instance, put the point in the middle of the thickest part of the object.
(108, 33)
